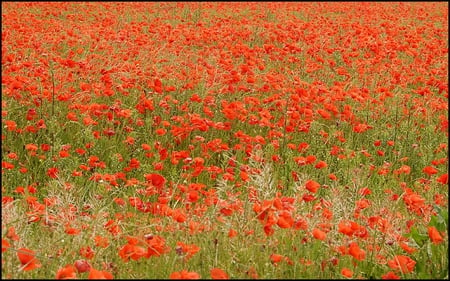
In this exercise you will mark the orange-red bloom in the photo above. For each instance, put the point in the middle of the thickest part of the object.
(407, 248)
(101, 241)
(27, 259)
(319, 234)
(443, 178)
(285, 220)
(321, 165)
(430, 170)
(5, 245)
(312, 186)
(82, 266)
(275, 258)
(217, 273)
(346, 272)
(434, 235)
(52, 172)
(355, 251)
(132, 250)
(402, 263)
(390, 276)
(156, 246)
(98, 274)
(184, 274)
(67, 272)
(232, 233)
(156, 180)
(189, 250)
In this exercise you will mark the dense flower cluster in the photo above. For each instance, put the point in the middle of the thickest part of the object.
(181, 134)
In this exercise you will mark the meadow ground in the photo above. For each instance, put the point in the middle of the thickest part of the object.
(225, 140)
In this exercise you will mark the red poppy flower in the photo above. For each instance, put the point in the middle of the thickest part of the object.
(98, 274)
(430, 170)
(101, 241)
(156, 180)
(407, 248)
(443, 178)
(319, 234)
(187, 250)
(361, 128)
(133, 251)
(402, 263)
(27, 259)
(310, 159)
(217, 273)
(184, 274)
(285, 220)
(390, 276)
(10, 125)
(346, 272)
(355, 251)
(11, 234)
(5, 245)
(52, 172)
(275, 258)
(232, 233)
(67, 272)
(82, 266)
(321, 165)
(156, 246)
(312, 186)
(434, 235)
(332, 177)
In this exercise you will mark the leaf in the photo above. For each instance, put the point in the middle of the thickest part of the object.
(440, 221)
(429, 251)
(419, 238)
(424, 275)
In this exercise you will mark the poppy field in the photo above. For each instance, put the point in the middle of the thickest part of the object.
(215, 140)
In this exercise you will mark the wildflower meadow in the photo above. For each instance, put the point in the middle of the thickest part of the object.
(224, 140)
